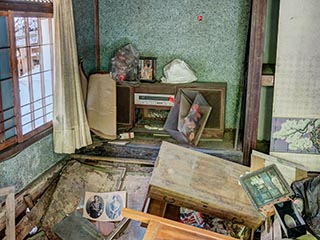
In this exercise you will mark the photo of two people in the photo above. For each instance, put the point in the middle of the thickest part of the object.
(104, 206)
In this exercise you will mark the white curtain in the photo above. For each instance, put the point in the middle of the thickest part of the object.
(70, 125)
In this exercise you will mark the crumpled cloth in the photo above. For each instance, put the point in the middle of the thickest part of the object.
(309, 191)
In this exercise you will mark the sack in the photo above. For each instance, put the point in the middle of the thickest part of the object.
(125, 64)
(178, 71)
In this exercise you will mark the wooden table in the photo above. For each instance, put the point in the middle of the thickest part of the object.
(187, 178)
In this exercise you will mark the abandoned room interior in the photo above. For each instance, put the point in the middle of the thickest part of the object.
(155, 119)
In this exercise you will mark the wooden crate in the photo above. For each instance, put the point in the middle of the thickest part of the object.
(191, 179)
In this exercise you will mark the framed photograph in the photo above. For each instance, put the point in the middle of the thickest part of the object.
(147, 69)
(265, 186)
(104, 206)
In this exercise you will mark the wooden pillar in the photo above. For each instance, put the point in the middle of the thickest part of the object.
(258, 16)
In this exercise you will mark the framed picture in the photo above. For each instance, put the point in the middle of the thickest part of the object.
(265, 186)
(147, 69)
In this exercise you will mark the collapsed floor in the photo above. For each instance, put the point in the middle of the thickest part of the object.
(101, 167)
(77, 177)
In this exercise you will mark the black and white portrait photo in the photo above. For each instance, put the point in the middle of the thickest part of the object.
(105, 206)
(95, 206)
(114, 207)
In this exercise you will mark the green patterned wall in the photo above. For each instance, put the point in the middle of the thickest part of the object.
(215, 47)
(83, 12)
(29, 164)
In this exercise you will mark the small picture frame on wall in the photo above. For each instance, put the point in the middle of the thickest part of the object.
(147, 69)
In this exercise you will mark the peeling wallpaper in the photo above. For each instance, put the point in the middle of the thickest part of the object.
(215, 47)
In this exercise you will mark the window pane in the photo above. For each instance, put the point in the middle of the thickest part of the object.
(10, 133)
(7, 94)
(37, 105)
(25, 109)
(22, 60)
(39, 118)
(3, 32)
(8, 114)
(9, 124)
(33, 31)
(46, 57)
(5, 70)
(26, 119)
(19, 25)
(26, 128)
(45, 30)
(49, 117)
(49, 110)
(48, 83)
(38, 113)
(35, 59)
(49, 100)
(36, 84)
(24, 91)
(39, 122)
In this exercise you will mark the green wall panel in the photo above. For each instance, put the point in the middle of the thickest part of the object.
(83, 12)
(215, 47)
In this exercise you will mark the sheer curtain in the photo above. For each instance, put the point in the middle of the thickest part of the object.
(70, 125)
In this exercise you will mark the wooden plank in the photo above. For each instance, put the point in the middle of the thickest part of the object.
(157, 207)
(175, 230)
(112, 159)
(9, 211)
(172, 212)
(7, 190)
(32, 219)
(22, 6)
(35, 189)
(191, 179)
(254, 78)
(152, 231)
(267, 80)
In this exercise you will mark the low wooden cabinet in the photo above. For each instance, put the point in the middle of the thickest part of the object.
(214, 93)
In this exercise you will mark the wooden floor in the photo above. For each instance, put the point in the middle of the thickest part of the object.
(146, 146)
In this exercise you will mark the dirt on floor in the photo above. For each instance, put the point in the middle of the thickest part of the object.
(79, 177)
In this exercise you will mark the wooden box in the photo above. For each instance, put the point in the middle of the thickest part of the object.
(180, 111)
(291, 222)
(187, 178)
(266, 187)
